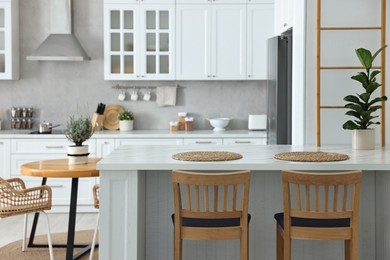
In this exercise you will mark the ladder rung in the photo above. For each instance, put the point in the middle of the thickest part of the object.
(349, 28)
(332, 107)
(346, 67)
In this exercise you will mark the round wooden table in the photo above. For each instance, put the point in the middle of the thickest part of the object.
(61, 169)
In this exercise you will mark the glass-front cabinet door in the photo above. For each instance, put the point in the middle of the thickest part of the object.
(157, 42)
(9, 42)
(139, 42)
(120, 45)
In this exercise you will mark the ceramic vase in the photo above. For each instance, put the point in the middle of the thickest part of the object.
(78, 154)
(126, 125)
(363, 139)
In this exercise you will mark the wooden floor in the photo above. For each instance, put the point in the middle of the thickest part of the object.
(11, 228)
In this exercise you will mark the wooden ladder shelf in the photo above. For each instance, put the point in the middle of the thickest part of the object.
(319, 67)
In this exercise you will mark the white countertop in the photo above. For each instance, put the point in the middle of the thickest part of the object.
(144, 134)
(255, 157)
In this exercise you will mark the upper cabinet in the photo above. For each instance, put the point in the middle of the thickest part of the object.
(284, 10)
(9, 39)
(260, 27)
(211, 42)
(139, 41)
(189, 40)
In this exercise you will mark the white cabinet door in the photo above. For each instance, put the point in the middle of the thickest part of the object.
(104, 147)
(283, 15)
(205, 141)
(139, 1)
(5, 151)
(246, 141)
(157, 42)
(260, 24)
(139, 42)
(211, 42)
(148, 141)
(9, 39)
(228, 42)
(120, 41)
(193, 42)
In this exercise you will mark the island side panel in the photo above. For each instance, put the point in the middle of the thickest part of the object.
(382, 215)
(122, 215)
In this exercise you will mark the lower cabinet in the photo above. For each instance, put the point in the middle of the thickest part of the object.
(4, 158)
(204, 141)
(18, 151)
(229, 141)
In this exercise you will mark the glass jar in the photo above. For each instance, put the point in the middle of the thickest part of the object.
(188, 123)
(181, 121)
(173, 126)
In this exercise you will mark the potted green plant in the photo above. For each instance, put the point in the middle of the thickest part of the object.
(362, 106)
(126, 121)
(78, 130)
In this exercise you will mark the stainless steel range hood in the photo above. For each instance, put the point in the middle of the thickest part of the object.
(61, 44)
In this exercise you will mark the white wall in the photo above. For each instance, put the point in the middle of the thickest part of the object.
(55, 89)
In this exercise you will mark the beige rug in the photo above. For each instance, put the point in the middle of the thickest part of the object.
(14, 249)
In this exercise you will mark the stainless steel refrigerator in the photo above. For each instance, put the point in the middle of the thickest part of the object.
(279, 84)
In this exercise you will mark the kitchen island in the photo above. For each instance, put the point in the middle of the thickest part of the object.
(136, 202)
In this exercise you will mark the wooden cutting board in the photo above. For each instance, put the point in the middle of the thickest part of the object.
(111, 121)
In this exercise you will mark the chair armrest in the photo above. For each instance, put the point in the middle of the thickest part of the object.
(17, 183)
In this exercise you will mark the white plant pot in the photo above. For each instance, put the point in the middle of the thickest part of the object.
(363, 139)
(78, 154)
(126, 125)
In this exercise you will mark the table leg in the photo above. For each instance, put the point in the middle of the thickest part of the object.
(71, 227)
(72, 219)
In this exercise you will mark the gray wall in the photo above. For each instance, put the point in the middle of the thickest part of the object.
(59, 89)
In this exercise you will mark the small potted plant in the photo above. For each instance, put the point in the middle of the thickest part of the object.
(362, 106)
(126, 121)
(78, 130)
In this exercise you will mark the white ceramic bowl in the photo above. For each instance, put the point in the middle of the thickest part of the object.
(219, 124)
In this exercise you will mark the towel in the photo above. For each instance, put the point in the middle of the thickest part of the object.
(166, 96)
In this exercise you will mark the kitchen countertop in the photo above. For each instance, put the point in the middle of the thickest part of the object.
(142, 134)
(255, 157)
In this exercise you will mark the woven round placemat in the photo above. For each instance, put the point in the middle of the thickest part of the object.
(311, 156)
(210, 156)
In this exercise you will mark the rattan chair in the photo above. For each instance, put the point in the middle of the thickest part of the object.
(15, 200)
(211, 206)
(96, 200)
(319, 206)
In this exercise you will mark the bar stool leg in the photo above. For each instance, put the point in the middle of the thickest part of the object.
(279, 244)
(94, 237)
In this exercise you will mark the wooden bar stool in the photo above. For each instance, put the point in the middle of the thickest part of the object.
(319, 206)
(199, 213)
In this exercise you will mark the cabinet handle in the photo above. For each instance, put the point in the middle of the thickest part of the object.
(203, 142)
(54, 147)
(1, 143)
(242, 142)
(106, 142)
(214, 76)
(56, 186)
(249, 76)
(285, 24)
(143, 76)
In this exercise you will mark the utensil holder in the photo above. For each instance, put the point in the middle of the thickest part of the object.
(97, 121)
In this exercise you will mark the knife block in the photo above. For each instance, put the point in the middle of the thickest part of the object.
(97, 121)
